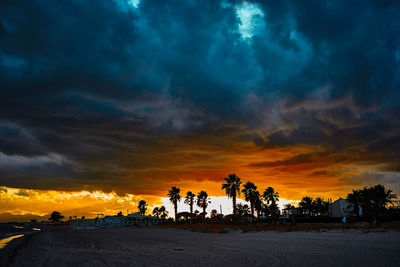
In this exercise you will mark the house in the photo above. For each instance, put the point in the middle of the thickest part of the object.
(138, 215)
(341, 208)
(112, 221)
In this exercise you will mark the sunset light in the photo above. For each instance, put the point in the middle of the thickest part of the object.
(213, 116)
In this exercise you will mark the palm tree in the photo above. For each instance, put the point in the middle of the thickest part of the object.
(289, 206)
(189, 200)
(382, 196)
(203, 201)
(374, 199)
(174, 197)
(232, 188)
(249, 192)
(274, 210)
(142, 207)
(306, 204)
(270, 195)
(242, 210)
(258, 203)
(355, 199)
(265, 209)
(163, 212)
(318, 206)
(156, 212)
(289, 209)
(214, 214)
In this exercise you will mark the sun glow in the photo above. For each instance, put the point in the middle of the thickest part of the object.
(16, 201)
(294, 172)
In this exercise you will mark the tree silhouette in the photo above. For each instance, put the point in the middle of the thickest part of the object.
(163, 212)
(258, 204)
(274, 209)
(379, 197)
(232, 188)
(271, 197)
(189, 200)
(55, 216)
(265, 209)
(289, 208)
(214, 214)
(306, 205)
(320, 206)
(142, 207)
(249, 190)
(203, 201)
(355, 199)
(174, 197)
(373, 200)
(156, 212)
(242, 210)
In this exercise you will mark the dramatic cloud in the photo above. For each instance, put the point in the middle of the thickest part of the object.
(132, 96)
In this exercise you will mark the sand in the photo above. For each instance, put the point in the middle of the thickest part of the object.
(176, 247)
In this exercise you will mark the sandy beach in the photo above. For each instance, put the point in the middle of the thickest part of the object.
(176, 247)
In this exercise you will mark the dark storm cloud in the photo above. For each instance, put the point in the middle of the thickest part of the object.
(105, 83)
(369, 178)
(299, 159)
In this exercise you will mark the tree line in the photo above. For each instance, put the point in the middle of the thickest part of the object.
(371, 200)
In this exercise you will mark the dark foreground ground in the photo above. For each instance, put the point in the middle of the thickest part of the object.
(177, 247)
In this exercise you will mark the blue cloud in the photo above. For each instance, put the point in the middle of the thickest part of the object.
(177, 68)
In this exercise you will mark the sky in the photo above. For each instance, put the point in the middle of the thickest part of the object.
(104, 103)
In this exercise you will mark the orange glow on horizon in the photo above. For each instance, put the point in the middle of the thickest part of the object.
(294, 172)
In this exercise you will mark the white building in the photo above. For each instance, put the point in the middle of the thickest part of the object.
(341, 208)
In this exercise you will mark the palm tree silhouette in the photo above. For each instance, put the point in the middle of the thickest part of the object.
(174, 197)
(214, 214)
(381, 196)
(156, 212)
(163, 212)
(242, 210)
(203, 201)
(320, 206)
(258, 203)
(373, 200)
(142, 207)
(232, 188)
(274, 210)
(355, 199)
(306, 205)
(289, 208)
(249, 192)
(270, 195)
(189, 200)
